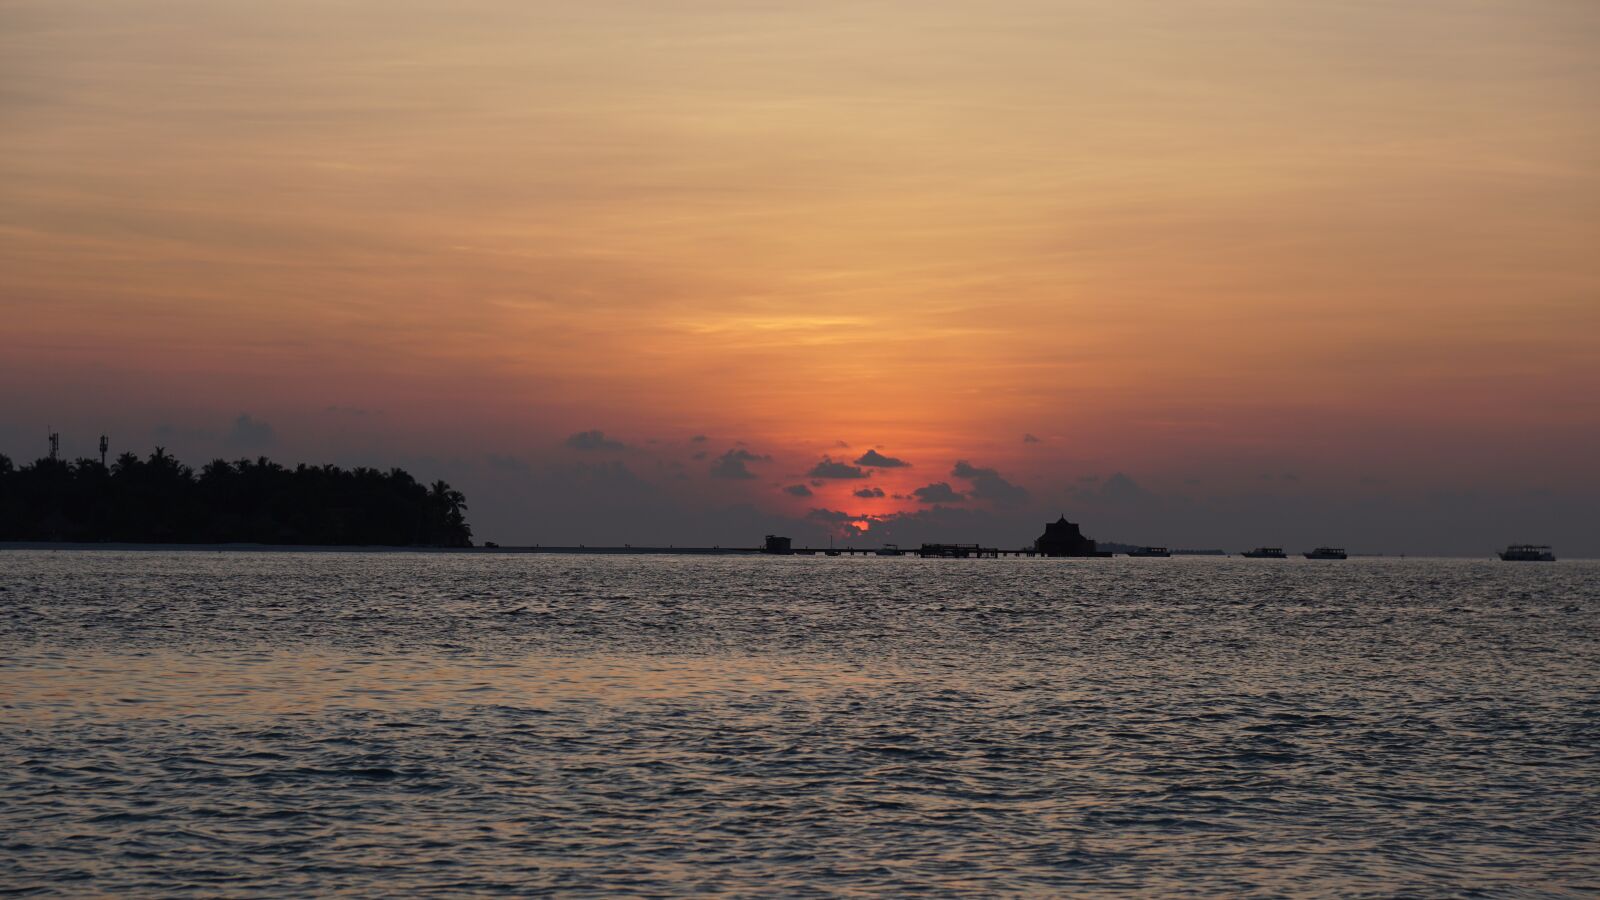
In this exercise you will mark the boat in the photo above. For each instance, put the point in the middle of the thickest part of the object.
(1150, 551)
(1327, 553)
(1266, 553)
(1528, 553)
(891, 550)
(830, 551)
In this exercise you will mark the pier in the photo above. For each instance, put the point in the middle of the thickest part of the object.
(926, 551)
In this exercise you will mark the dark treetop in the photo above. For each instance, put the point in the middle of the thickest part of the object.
(161, 500)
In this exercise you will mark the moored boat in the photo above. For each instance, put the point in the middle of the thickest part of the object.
(1150, 551)
(1327, 553)
(891, 550)
(1528, 553)
(1266, 553)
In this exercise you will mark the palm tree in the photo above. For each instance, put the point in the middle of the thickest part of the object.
(449, 507)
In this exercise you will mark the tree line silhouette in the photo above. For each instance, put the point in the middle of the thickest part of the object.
(161, 500)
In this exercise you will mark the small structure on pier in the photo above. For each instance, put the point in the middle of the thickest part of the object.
(1063, 538)
(779, 545)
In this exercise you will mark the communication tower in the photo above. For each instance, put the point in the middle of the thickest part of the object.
(104, 445)
(55, 445)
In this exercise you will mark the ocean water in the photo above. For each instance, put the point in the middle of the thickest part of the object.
(275, 724)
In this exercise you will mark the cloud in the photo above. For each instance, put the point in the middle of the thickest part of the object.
(869, 492)
(938, 492)
(798, 490)
(1116, 490)
(988, 485)
(594, 440)
(830, 516)
(733, 464)
(874, 458)
(1030, 439)
(1119, 488)
(247, 433)
(964, 469)
(698, 439)
(948, 523)
(831, 468)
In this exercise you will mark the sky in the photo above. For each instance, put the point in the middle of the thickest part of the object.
(1211, 274)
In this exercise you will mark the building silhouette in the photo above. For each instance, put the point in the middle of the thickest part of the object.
(1063, 538)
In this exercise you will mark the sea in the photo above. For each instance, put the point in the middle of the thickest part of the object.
(274, 724)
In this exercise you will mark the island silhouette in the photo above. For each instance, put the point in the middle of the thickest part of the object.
(159, 499)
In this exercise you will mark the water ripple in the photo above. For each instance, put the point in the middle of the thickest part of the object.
(241, 725)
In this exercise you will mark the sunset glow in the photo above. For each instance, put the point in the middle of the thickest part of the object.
(1208, 246)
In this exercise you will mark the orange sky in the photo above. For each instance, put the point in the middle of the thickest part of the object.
(1208, 237)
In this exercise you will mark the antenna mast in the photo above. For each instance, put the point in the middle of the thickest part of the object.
(55, 445)
(104, 445)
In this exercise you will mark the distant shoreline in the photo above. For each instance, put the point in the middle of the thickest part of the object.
(370, 548)
(575, 550)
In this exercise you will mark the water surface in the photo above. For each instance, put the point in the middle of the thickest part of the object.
(247, 724)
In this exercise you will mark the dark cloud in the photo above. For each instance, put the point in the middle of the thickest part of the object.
(1116, 491)
(830, 516)
(988, 485)
(698, 439)
(878, 460)
(798, 490)
(594, 440)
(576, 498)
(954, 524)
(1030, 439)
(733, 464)
(728, 467)
(831, 468)
(938, 492)
(701, 455)
(869, 492)
(1119, 488)
(964, 469)
(247, 433)
(349, 412)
